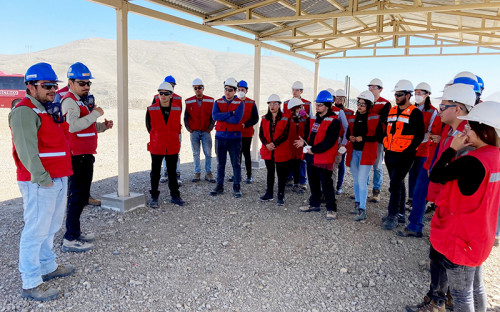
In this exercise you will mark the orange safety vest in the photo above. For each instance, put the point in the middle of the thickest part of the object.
(199, 116)
(397, 142)
(164, 138)
(369, 154)
(247, 114)
(282, 151)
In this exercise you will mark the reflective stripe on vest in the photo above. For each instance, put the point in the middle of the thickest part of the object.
(397, 142)
(52, 154)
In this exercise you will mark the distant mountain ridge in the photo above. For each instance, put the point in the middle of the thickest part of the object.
(151, 61)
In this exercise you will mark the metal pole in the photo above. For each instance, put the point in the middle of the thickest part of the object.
(316, 77)
(256, 96)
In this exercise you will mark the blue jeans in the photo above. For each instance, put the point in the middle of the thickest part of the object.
(206, 143)
(413, 174)
(44, 209)
(416, 217)
(303, 172)
(498, 224)
(360, 174)
(233, 147)
(378, 169)
(340, 179)
(466, 287)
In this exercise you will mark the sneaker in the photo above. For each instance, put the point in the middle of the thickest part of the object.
(389, 223)
(237, 192)
(61, 271)
(177, 201)
(231, 179)
(164, 178)
(153, 203)
(209, 177)
(280, 202)
(331, 215)
(289, 181)
(352, 197)
(309, 208)
(339, 191)
(409, 233)
(42, 292)
(401, 218)
(87, 237)
(430, 208)
(408, 204)
(427, 305)
(303, 187)
(94, 202)
(179, 181)
(197, 177)
(266, 197)
(219, 189)
(375, 196)
(361, 215)
(297, 189)
(249, 180)
(76, 246)
(355, 209)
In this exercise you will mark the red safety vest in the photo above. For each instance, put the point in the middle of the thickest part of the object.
(307, 106)
(282, 151)
(199, 116)
(348, 112)
(378, 105)
(164, 138)
(53, 148)
(436, 128)
(369, 154)
(398, 142)
(247, 114)
(463, 227)
(84, 141)
(328, 157)
(224, 108)
(423, 148)
(296, 129)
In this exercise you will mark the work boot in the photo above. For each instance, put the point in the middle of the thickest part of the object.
(355, 209)
(237, 191)
(267, 197)
(179, 181)
(61, 271)
(197, 177)
(209, 177)
(231, 179)
(94, 202)
(281, 201)
(401, 218)
(219, 189)
(42, 292)
(249, 180)
(449, 304)
(309, 208)
(76, 246)
(86, 237)
(427, 305)
(375, 196)
(389, 223)
(177, 201)
(361, 215)
(164, 177)
(408, 204)
(331, 215)
(406, 232)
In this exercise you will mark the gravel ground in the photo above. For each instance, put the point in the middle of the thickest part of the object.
(220, 254)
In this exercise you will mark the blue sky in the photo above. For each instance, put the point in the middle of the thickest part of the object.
(37, 25)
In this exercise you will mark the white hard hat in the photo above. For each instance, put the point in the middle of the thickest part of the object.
(487, 113)
(449, 83)
(466, 74)
(231, 82)
(376, 82)
(424, 86)
(340, 92)
(367, 95)
(293, 102)
(166, 86)
(403, 85)
(460, 93)
(198, 82)
(332, 92)
(298, 85)
(273, 98)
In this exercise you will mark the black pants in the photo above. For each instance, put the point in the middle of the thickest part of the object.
(78, 193)
(295, 170)
(155, 174)
(246, 144)
(398, 165)
(282, 169)
(439, 278)
(321, 179)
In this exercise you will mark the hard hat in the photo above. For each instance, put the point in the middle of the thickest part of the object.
(403, 85)
(480, 82)
(466, 74)
(332, 92)
(324, 97)
(79, 71)
(367, 95)
(460, 93)
(231, 82)
(198, 82)
(469, 78)
(340, 92)
(40, 71)
(449, 83)
(294, 102)
(298, 85)
(166, 86)
(170, 79)
(424, 86)
(376, 82)
(273, 98)
(242, 84)
(487, 113)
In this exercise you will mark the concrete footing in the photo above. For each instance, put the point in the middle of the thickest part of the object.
(123, 204)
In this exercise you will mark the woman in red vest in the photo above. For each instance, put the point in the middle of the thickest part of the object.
(275, 148)
(163, 121)
(364, 132)
(299, 121)
(463, 226)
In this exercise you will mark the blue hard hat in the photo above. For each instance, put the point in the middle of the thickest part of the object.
(170, 79)
(242, 84)
(79, 71)
(480, 81)
(40, 71)
(468, 81)
(324, 97)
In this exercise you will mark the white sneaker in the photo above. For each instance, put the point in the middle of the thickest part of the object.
(87, 237)
(76, 246)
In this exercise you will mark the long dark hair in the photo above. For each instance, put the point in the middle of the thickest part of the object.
(427, 103)
(485, 133)
(269, 115)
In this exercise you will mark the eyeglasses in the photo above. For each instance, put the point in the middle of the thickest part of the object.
(361, 104)
(84, 83)
(320, 104)
(399, 94)
(47, 85)
(198, 88)
(229, 90)
(166, 93)
(443, 107)
(273, 103)
(372, 87)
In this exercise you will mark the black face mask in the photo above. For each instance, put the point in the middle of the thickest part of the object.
(89, 101)
(339, 105)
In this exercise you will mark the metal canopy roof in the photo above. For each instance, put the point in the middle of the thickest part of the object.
(341, 29)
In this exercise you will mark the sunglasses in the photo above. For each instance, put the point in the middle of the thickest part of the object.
(165, 93)
(84, 83)
(47, 86)
(198, 88)
(229, 90)
(399, 94)
(443, 107)
(361, 104)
